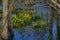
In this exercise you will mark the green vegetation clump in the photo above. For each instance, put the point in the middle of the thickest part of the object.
(21, 19)
(40, 24)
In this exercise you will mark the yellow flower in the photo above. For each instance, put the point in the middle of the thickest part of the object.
(28, 16)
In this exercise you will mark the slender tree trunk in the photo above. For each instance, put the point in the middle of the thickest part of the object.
(5, 20)
(6, 30)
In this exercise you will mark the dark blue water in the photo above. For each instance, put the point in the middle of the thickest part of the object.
(54, 30)
(30, 35)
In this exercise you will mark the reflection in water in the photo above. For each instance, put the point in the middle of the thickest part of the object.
(54, 30)
(43, 10)
(32, 36)
(17, 35)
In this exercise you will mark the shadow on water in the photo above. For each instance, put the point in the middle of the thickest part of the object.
(44, 10)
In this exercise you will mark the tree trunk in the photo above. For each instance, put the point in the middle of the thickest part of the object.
(6, 30)
(50, 30)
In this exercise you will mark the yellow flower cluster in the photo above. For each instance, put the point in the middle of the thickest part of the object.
(27, 16)
(22, 19)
